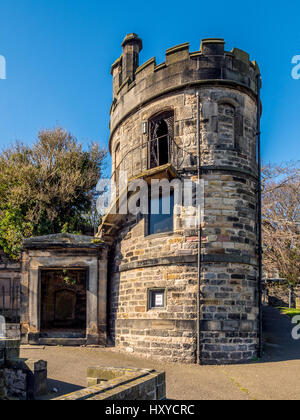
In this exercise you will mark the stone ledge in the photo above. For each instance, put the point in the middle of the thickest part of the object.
(121, 384)
(187, 259)
(157, 324)
(64, 240)
(217, 168)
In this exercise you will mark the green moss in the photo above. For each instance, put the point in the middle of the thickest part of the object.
(97, 241)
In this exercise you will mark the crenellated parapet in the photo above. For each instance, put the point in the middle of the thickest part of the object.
(134, 86)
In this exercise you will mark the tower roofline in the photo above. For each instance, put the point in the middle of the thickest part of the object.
(182, 68)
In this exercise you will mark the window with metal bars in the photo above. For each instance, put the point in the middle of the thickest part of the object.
(161, 135)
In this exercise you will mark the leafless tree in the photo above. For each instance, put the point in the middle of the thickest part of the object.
(281, 221)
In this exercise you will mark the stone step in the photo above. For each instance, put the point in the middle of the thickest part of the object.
(72, 342)
(63, 335)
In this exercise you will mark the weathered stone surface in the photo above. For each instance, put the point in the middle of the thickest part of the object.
(139, 263)
(20, 379)
(121, 384)
(69, 252)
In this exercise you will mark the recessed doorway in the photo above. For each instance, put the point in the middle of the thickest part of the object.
(63, 301)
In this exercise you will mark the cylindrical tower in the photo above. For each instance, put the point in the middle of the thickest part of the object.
(161, 117)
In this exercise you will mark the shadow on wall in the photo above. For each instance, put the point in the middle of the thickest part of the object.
(278, 295)
(58, 388)
(113, 292)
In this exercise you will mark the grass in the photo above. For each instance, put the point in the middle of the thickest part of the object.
(291, 312)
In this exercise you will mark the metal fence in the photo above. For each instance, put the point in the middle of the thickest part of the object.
(146, 156)
(10, 301)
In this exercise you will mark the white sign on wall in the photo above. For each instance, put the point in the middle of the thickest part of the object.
(159, 299)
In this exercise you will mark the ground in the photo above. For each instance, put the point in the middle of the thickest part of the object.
(274, 377)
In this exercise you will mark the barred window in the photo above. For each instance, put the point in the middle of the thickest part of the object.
(161, 134)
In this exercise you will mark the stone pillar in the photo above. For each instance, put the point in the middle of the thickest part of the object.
(92, 305)
(102, 298)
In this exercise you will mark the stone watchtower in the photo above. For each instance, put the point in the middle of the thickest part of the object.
(178, 292)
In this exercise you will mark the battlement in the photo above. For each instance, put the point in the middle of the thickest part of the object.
(135, 85)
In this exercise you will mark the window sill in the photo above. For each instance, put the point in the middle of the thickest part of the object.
(159, 235)
(158, 309)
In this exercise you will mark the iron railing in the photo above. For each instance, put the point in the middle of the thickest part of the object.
(10, 301)
(146, 156)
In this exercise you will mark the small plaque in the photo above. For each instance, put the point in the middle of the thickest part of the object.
(159, 299)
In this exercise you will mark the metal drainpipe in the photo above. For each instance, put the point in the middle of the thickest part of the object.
(259, 216)
(199, 260)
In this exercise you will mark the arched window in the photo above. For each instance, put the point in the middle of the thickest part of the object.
(161, 129)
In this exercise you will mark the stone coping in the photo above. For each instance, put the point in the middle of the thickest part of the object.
(65, 240)
(116, 383)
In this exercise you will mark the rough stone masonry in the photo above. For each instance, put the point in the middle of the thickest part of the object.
(20, 379)
(152, 103)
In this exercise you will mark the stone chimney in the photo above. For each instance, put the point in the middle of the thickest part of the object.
(132, 45)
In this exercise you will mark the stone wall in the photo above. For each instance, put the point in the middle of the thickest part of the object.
(220, 147)
(20, 379)
(167, 333)
(278, 294)
(121, 384)
(13, 331)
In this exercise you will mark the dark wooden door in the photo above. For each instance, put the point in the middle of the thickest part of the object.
(63, 299)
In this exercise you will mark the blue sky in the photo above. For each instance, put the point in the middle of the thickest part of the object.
(59, 54)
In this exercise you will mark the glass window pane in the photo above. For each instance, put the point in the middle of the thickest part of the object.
(160, 223)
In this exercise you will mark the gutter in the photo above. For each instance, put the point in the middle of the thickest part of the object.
(259, 218)
(199, 259)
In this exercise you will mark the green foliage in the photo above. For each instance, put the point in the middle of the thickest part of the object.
(68, 280)
(13, 228)
(291, 312)
(47, 188)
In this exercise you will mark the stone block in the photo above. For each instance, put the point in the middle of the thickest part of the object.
(131, 384)
(104, 374)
